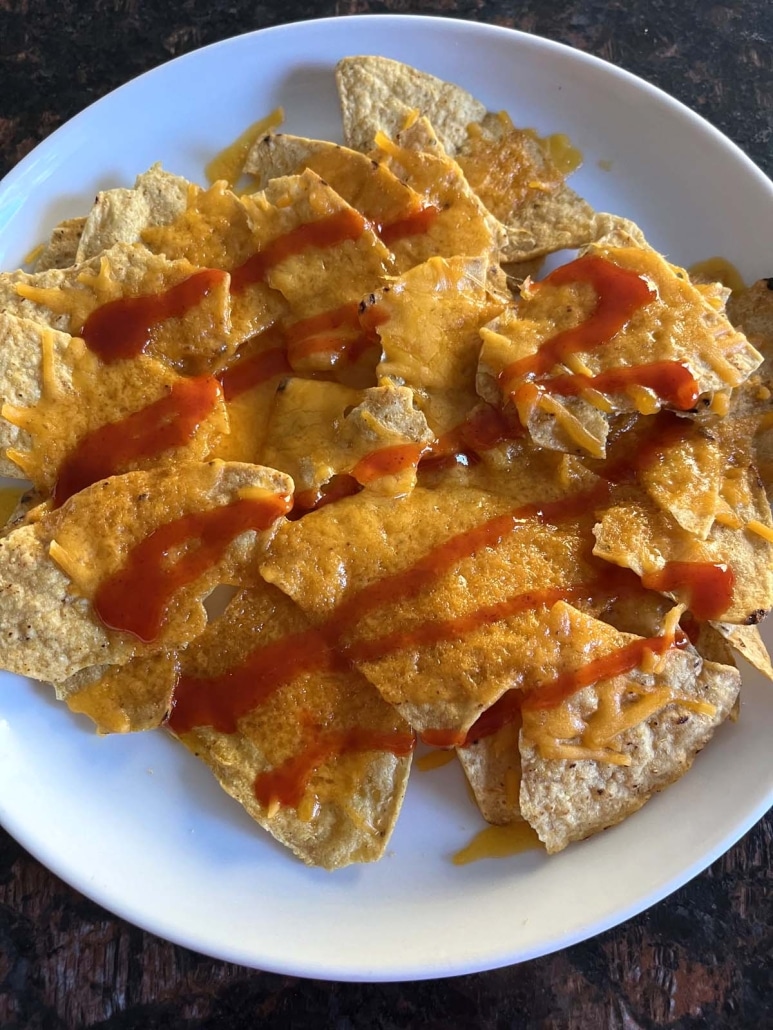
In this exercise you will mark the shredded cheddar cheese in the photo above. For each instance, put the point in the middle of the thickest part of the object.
(766, 532)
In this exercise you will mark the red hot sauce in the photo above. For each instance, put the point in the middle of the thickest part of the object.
(136, 598)
(118, 446)
(123, 328)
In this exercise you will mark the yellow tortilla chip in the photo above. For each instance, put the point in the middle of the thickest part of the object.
(319, 430)
(671, 328)
(305, 745)
(121, 215)
(123, 698)
(492, 765)
(634, 534)
(415, 226)
(456, 622)
(513, 173)
(462, 226)
(747, 641)
(51, 570)
(92, 420)
(340, 266)
(428, 322)
(196, 341)
(751, 311)
(667, 717)
(375, 91)
(31, 364)
(214, 231)
(62, 248)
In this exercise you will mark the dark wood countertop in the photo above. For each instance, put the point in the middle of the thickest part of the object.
(701, 959)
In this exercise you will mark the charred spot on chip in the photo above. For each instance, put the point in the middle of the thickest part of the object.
(756, 617)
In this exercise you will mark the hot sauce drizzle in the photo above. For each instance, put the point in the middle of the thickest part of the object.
(619, 294)
(387, 461)
(220, 701)
(123, 328)
(167, 423)
(709, 588)
(287, 783)
(624, 659)
(338, 333)
(436, 632)
(334, 490)
(484, 428)
(411, 581)
(551, 694)
(329, 231)
(135, 599)
(414, 224)
(247, 373)
(670, 380)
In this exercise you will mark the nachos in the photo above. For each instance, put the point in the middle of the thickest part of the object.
(521, 517)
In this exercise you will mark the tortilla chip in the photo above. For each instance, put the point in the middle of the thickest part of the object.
(490, 754)
(751, 311)
(215, 231)
(748, 642)
(367, 186)
(749, 422)
(371, 189)
(121, 215)
(634, 534)
(568, 799)
(512, 172)
(678, 462)
(492, 765)
(463, 225)
(63, 299)
(123, 698)
(428, 322)
(317, 279)
(454, 223)
(64, 431)
(31, 356)
(444, 650)
(616, 231)
(62, 248)
(574, 425)
(374, 92)
(319, 430)
(51, 569)
(678, 325)
(308, 718)
(509, 169)
(549, 222)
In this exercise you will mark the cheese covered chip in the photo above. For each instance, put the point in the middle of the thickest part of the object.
(301, 740)
(73, 598)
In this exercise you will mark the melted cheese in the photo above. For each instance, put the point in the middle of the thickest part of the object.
(69, 565)
(9, 498)
(434, 760)
(766, 532)
(565, 733)
(498, 842)
(228, 164)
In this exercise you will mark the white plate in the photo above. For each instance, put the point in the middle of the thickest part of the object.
(136, 823)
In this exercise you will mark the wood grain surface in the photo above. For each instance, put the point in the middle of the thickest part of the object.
(701, 959)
